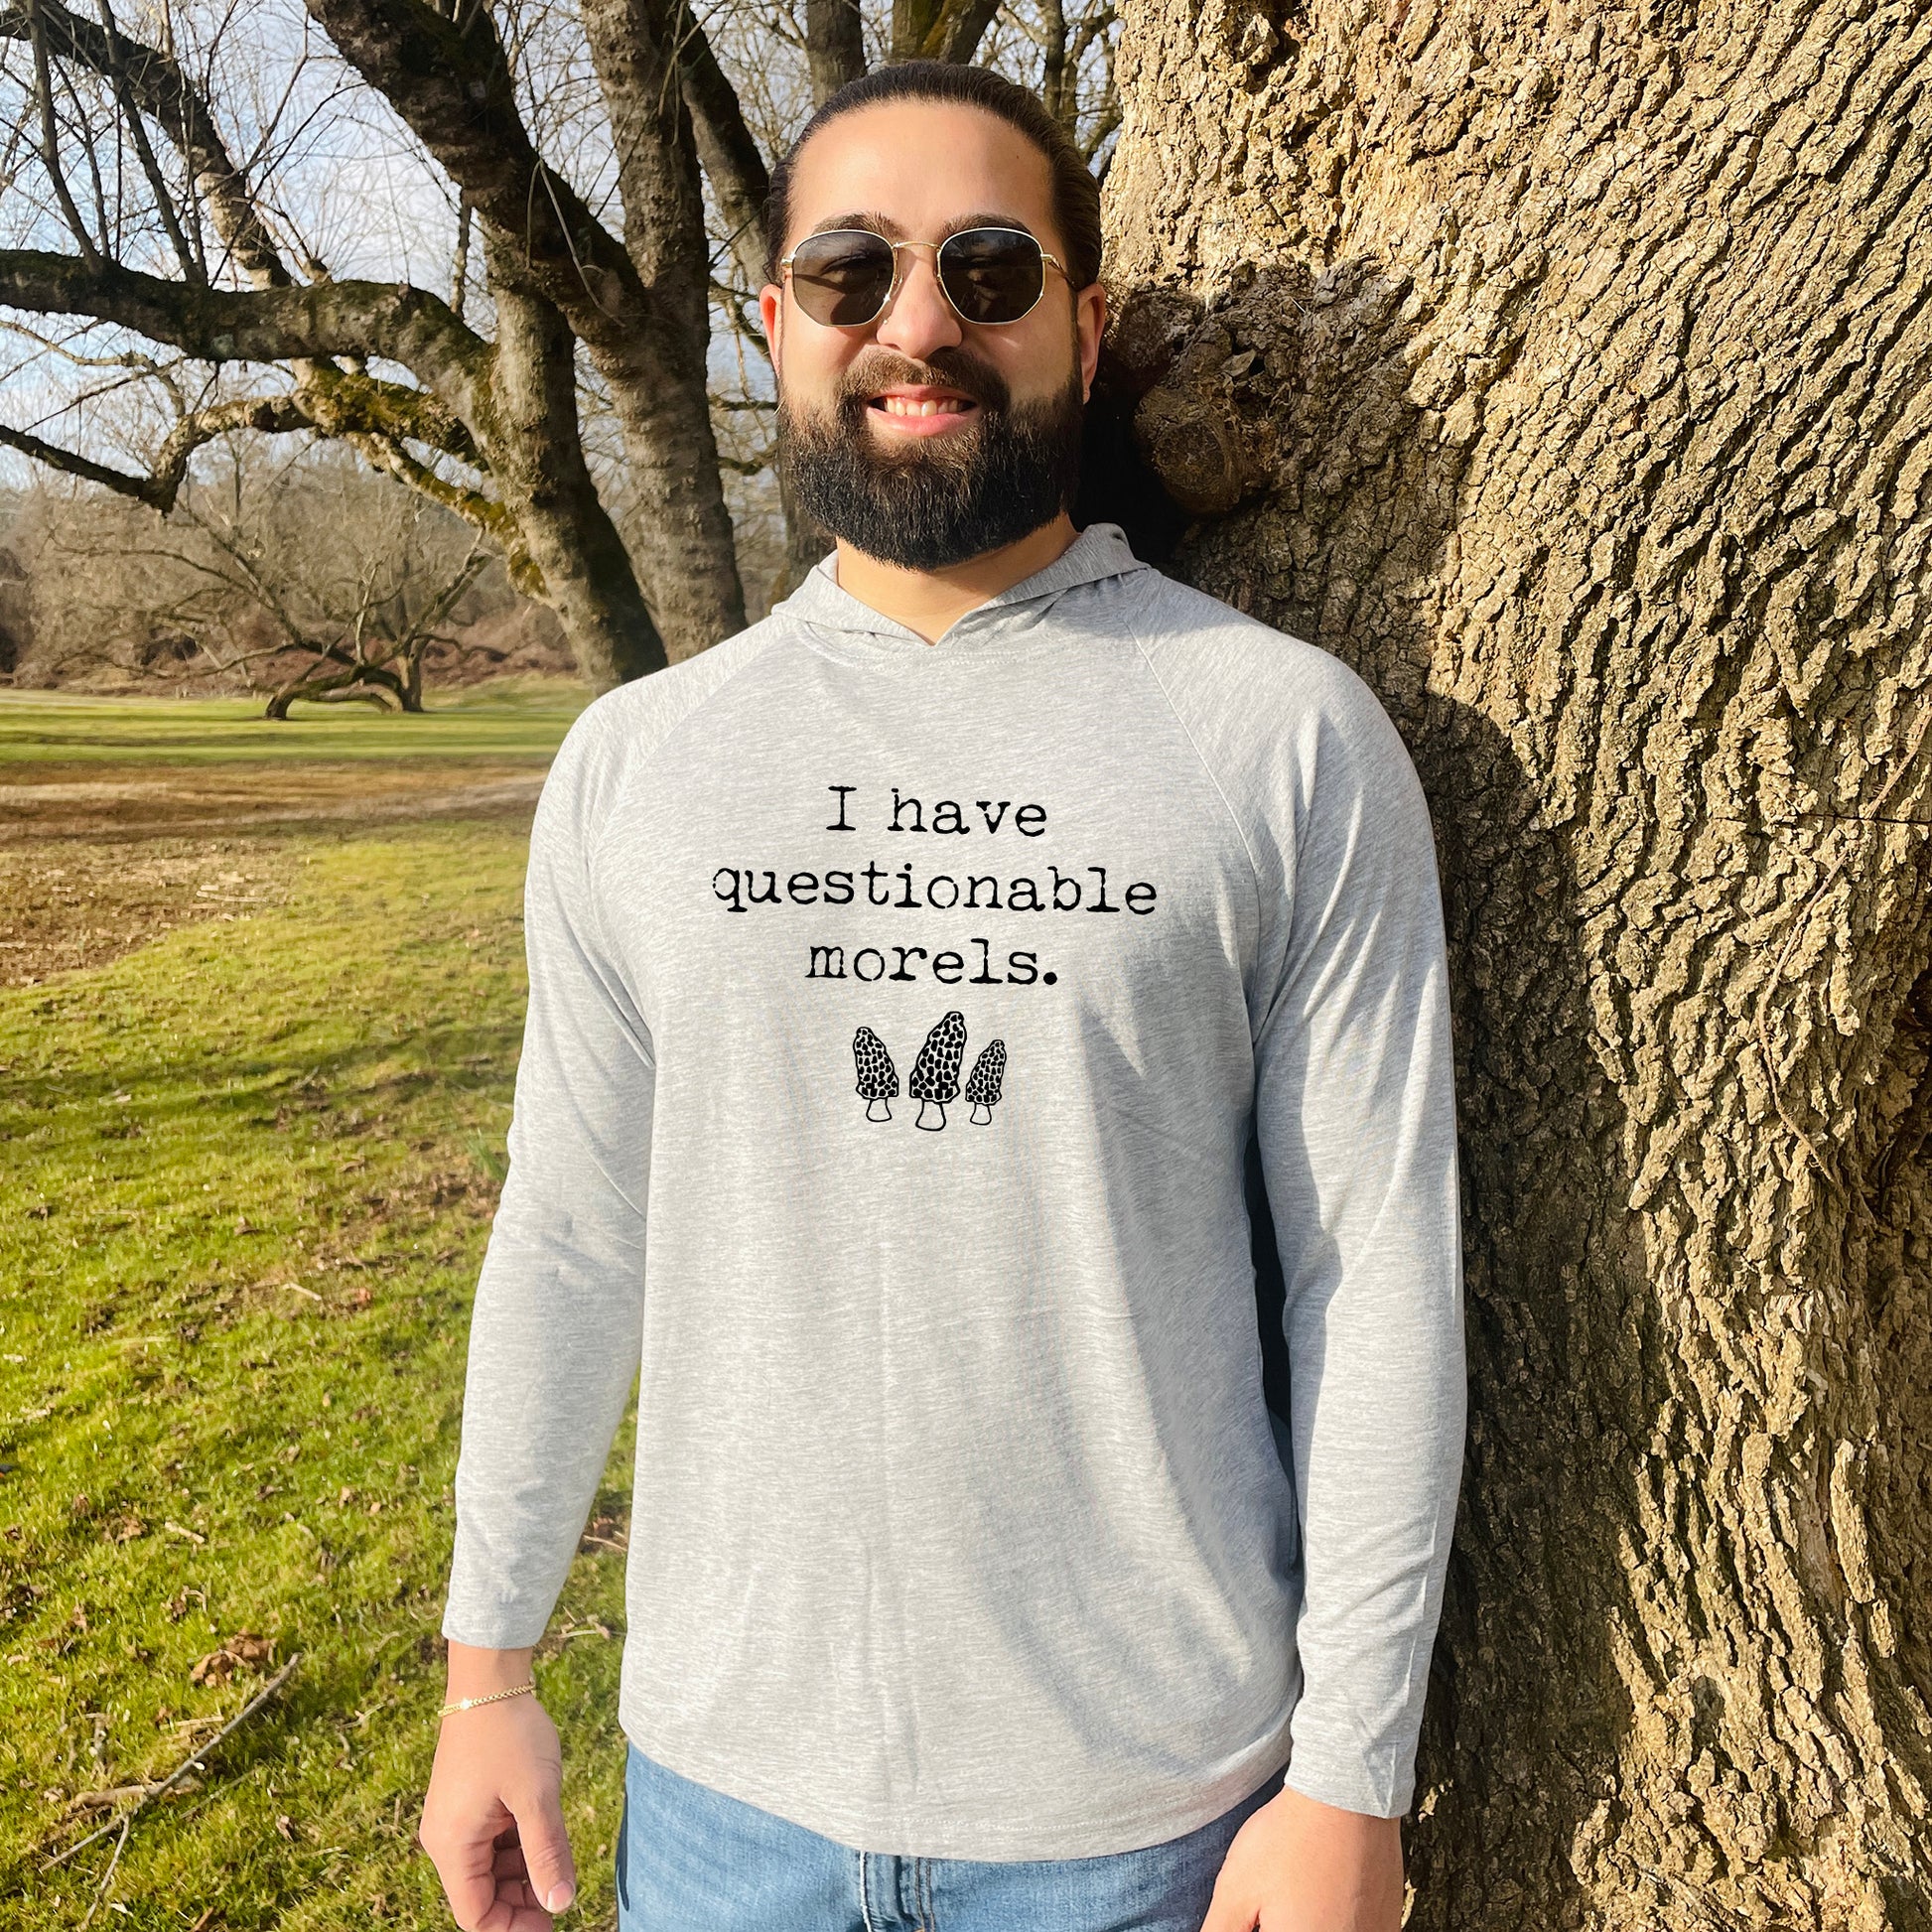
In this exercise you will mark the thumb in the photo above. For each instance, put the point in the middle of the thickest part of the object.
(546, 1848)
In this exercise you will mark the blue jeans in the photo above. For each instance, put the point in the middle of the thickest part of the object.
(692, 1860)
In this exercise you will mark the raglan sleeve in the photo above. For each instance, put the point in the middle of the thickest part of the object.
(1356, 1119)
(557, 1326)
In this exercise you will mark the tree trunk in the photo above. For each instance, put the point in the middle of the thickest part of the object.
(683, 534)
(537, 456)
(834, 45)
(1566, 371)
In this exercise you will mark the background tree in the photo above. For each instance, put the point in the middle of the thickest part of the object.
(299, 577)
(1566, 369)
(594, 178)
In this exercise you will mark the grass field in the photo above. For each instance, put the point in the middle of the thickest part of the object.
(247, 1162)
(514, 719)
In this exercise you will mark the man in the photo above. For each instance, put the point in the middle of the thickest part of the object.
(907, 974)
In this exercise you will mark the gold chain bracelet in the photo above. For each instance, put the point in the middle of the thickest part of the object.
(466, 1704)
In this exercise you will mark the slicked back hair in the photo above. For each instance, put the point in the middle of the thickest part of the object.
(1077, 195)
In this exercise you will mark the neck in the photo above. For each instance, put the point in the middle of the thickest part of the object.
(931, 601)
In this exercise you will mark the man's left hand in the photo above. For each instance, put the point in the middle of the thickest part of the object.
(1299, 1866)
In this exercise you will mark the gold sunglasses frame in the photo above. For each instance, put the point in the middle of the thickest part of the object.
(1047, 258)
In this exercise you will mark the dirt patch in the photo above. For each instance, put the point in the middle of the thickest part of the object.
(74, 800)
(98, 858)
(70, 904)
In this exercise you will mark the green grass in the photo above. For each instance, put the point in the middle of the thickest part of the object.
(309, 1098)
(509, 719)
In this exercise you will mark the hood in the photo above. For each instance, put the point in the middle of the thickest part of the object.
(1097, 556)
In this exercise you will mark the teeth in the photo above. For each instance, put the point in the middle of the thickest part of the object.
(901, 406)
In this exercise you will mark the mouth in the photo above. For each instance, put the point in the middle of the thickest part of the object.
(923, 410)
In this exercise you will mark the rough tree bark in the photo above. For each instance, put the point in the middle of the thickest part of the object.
(834, 45)
(1564, 369)
(740, 181)
(561, 525)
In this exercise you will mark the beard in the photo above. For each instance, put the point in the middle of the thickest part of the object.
(935, 500)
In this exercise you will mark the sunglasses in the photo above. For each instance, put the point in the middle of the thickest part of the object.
(845, 277)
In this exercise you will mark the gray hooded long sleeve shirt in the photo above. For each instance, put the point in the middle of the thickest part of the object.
(897, 1015)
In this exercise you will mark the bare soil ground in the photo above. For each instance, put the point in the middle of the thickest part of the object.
(48, 799)
(97, 859)
(77, 902)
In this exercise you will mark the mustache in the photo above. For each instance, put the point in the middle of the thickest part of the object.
(946, 368)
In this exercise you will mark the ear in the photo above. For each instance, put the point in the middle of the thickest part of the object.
(1090, 320)
(771, 309)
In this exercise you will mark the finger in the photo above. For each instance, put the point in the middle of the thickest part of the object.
(522, 1918)
(514, 1897)
(514, 1910)
(551, 1869)
(464, 1866)
(509, 1863)
(515, 1887)
(1229, 1911)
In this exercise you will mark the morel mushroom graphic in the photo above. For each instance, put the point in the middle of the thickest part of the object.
(877, 1077)
(935, 1073)
(983, 1084)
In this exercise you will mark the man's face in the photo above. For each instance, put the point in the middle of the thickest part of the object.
(864, 452)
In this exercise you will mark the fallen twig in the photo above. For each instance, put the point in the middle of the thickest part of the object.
(107, 1877)
(105, 1800)
(194, 1761)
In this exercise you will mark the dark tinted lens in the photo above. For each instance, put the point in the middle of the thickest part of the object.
(992, 274)
(841, 277)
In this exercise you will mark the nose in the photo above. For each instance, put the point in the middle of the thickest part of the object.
(918, 319)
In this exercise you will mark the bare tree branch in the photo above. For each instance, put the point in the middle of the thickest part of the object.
(482, 513)
(146, 490)
(1057, 70)
(735, 169)
(460, 264)
(192, 267)
(450, 83)
(83, 138)
(156, 85)
(49, 134)
(125, 358)
(375, 416)
(388, 320)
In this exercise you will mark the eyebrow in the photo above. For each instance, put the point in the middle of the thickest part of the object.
(885, 225)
